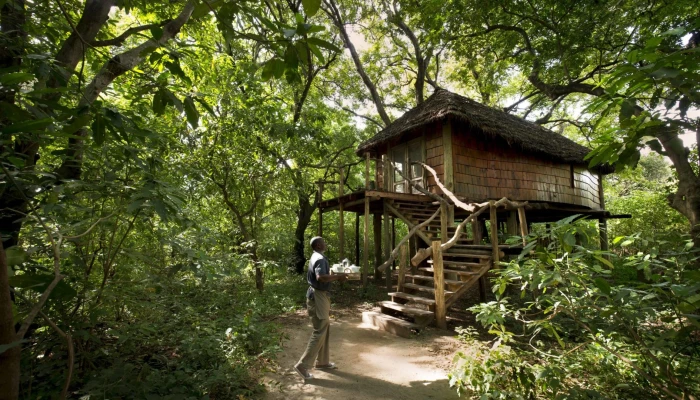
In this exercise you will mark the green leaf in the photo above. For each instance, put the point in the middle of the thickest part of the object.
(627, 109)
(171, 99)
(325, 44)
(191, 112)
(159, 206)
(274, 67)
(316, 29)
(159, 103)
(311, 6)
(77, 124)
(39, 283)
(303, 52)
(15, 78)
(157, 33)
(28, 126)
(16, 256)
(98, 129)
(665, 73)
(317, 52)
(604, 261)
(205, 105)
(175, 69)
(602, 285)
(5, 347)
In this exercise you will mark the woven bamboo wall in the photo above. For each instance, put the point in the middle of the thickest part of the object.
(485, 170)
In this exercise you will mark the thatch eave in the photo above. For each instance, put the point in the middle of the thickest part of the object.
(516, 132)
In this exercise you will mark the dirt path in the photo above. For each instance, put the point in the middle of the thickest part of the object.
(372, 364)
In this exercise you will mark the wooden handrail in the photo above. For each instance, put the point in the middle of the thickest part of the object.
(476, 209)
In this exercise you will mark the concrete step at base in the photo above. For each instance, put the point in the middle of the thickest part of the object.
(391, 324)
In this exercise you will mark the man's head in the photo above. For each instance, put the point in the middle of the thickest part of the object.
(318, 244)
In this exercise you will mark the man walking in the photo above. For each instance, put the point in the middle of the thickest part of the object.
(318, 304)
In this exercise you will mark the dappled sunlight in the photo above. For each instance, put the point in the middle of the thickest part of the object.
(372, 365)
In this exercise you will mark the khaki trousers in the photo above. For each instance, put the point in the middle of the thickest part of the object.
(318, 347)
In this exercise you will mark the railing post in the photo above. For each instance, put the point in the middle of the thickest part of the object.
(403, 265)
(439, 280)
(443, 223)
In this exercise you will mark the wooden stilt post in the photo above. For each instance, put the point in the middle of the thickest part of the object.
(477, 232)
(365, 256)
(378, 236)
(320, 212)
(523, 224)
(403, 266)
(602, 223)
(439, 280)
(341, 216)
(512, 223)
(387, 245)
(494, 234)
(357, 238)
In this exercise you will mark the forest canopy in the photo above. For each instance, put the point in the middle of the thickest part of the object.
(160, 161)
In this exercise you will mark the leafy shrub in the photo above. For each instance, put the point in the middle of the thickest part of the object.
(582, 328)
(189, 339)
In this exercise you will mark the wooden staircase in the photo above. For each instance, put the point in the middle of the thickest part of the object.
(412, 306)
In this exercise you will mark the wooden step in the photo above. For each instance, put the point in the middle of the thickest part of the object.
(460, 263)
(410, 297)
(451, 271)
(432, 279)
(419, 316)
(456, 253)
(464, 264)
(391, 324)
(426, 289)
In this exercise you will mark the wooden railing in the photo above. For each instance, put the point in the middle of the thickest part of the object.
(476, 209)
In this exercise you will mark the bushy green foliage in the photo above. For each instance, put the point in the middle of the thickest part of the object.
(184, 339)
(580, 329)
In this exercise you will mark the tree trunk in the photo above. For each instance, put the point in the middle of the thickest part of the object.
(12, 18)
(686, 200)
(9, 360)
(304, 214)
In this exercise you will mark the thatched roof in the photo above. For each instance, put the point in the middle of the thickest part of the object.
(515, 131)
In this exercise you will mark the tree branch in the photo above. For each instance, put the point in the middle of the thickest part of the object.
(114, 68)
(119, 40)
(332, 10)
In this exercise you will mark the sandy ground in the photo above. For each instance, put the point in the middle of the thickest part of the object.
(372, 364)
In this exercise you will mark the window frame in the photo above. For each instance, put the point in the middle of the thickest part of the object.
(408, 171)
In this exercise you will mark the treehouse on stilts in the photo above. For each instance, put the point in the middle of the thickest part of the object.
(463, 177)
